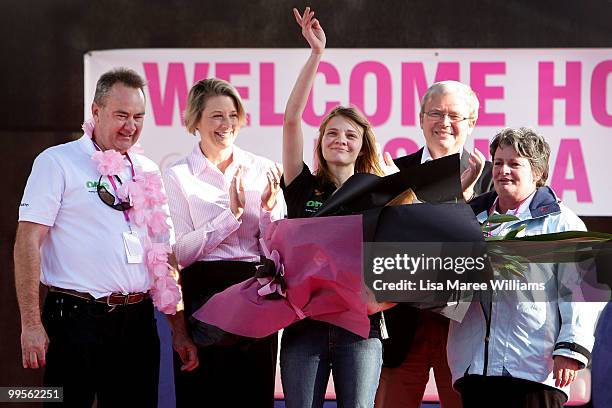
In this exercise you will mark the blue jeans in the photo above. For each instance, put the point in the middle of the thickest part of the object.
(602, 360)
(310, 350)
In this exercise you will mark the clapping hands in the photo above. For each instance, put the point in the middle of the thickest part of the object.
(386, 162)
(471, 174)
(237, 195)
(268, 197)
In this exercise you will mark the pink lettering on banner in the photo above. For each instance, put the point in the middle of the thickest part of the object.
(478, 78)
(413, 79)
(200, 71)
(225, 71)
(267, 114)
(383, 90)
(548, 92)
(331, 77)
(570, 150)
(598, 93)
(175, 90)
(400, 146)
(483, 146)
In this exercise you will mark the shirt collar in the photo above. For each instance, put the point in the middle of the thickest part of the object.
(426, 156)
(199, 163)
(522, 209)
(87, 145)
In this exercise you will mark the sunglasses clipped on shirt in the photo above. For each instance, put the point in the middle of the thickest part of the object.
(109, 199)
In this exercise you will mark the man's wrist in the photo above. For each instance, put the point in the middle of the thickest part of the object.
(31, 322)
(177, 322)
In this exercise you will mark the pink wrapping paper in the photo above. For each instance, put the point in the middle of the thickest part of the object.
(323, 270)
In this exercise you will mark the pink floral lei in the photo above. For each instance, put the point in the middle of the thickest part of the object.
(146, 195)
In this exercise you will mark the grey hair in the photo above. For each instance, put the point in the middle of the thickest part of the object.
(454, 87)
(528, 144)
(126, 76)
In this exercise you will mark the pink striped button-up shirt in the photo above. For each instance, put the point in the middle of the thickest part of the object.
(198, 197)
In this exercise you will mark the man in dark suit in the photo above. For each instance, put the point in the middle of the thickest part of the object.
(417, 339)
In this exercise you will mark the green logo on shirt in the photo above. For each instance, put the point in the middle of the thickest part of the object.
(313, 204)
(94, 184)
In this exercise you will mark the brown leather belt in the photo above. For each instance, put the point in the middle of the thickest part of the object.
(114, 299)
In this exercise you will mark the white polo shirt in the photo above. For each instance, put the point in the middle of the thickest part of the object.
(84, 249)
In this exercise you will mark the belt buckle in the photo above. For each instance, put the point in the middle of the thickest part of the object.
(113, 306)
(125, 301)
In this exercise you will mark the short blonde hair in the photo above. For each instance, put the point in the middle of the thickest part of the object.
(204, 89)
(453, 87)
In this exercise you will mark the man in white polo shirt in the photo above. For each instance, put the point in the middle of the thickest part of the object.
(79, 235)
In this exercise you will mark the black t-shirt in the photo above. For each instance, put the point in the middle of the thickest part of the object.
(304, 196)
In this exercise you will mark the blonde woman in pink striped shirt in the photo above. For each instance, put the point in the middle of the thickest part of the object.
(221, 198)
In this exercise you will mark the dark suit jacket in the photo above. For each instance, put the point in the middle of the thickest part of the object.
(402, 320)
(483, 184)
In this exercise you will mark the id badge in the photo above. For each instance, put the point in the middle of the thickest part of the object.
(133, 247)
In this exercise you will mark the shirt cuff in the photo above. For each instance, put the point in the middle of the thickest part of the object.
(573, 350)
(226, 223)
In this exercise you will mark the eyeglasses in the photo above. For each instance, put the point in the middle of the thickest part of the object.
(439, 116)
(109, 199)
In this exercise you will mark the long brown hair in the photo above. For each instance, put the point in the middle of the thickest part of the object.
(367, 161)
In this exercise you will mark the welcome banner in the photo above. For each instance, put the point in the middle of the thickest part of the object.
(565, 94)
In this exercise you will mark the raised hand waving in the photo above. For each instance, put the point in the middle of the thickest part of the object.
(311, 29)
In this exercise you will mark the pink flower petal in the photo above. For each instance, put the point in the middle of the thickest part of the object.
(88, 127)
(110, 162)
